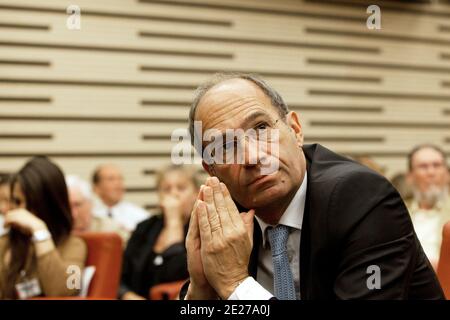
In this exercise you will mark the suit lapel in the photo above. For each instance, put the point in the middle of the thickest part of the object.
(257, 239)
(305, 235)
(305, 240)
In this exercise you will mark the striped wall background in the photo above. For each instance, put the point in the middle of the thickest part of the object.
(116, 89)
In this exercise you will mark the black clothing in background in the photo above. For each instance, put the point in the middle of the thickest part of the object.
(142, 268)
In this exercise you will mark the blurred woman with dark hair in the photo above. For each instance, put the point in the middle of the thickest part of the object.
(36, 254)
(4, 200)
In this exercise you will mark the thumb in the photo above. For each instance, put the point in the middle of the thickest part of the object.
(247, 217)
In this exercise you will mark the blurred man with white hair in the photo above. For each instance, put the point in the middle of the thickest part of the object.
(430, 206)
(81, 197)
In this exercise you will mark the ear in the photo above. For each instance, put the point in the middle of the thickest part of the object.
(294, 123)
(208, 168)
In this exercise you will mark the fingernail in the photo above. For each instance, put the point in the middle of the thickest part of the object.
(215, 180)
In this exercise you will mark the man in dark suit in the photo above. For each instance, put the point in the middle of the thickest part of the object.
(326, 227)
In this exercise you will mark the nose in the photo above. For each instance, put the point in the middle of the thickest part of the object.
(175, 193)
(250, 152)
(74, 214)
(431, 171)
(255, 152)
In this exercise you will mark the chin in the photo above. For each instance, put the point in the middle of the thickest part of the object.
(266, 195)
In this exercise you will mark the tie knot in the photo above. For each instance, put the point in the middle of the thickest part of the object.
(278, 238)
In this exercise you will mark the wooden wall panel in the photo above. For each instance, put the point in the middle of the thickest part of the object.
(116, 89)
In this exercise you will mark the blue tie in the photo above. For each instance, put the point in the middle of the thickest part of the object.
(283, 280)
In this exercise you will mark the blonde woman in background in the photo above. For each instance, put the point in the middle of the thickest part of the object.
(156, 251)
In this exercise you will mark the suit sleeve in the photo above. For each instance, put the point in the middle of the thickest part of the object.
(379, 253)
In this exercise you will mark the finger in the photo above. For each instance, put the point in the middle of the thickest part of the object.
(221, 206)
(232, 209)
(203, 223)
(199, 197)
(200, 193)
(11, 216)
(6, 221)
(193, 232)
(213, 216)
(11, 219)
(13, 211)
(193, 223)
(248, 219)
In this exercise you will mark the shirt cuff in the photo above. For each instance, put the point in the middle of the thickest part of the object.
(249, 289)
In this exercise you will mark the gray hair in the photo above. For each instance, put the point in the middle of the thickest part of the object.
(275, 97)
(75, 182)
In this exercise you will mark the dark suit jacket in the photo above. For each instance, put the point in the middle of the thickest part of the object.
(354, 218)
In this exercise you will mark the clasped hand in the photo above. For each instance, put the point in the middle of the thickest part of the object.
(219, 243)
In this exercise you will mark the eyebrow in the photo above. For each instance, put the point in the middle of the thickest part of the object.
(254, 115)
(249, 118)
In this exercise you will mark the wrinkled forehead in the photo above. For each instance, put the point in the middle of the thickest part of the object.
(231, 103)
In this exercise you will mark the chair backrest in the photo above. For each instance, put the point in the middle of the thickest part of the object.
(166, 291)
(443, 269)
(105, 253)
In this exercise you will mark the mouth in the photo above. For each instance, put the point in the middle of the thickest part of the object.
(260, 180)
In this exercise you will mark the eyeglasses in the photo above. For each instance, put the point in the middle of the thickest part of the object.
(426, 166)
(232, 150)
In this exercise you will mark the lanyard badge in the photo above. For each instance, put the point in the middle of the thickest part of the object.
(28, 288)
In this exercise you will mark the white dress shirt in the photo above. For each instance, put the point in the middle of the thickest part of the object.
(249, 289)
(127, 214)
(428, 225)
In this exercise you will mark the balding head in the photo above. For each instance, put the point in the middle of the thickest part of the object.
(224, 81)
(108, 184)
(232, 104)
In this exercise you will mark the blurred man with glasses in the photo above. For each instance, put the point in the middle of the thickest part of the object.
(430, 206)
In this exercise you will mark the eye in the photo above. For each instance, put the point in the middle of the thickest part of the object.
(261, 126)
(228, 145)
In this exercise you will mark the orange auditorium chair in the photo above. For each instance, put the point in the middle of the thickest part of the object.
(105, 254)
(166, 291)
(443, 269)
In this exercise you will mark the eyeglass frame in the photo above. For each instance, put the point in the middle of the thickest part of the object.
(211, 158)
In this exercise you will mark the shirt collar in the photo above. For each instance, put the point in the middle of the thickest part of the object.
(293, 216)
(102, 208)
